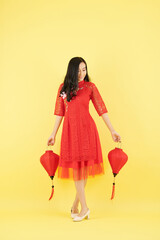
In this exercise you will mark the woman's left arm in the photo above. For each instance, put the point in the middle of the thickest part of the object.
(116, 137)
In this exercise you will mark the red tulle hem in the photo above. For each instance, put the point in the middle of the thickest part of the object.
(81, 173)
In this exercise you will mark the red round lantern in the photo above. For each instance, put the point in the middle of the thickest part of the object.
(50, 161)
(117, 159)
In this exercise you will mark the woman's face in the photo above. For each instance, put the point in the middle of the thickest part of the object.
(81, 71)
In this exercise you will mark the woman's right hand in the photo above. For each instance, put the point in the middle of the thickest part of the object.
(51, 140)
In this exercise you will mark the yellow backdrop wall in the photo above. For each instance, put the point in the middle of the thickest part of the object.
(120, 42)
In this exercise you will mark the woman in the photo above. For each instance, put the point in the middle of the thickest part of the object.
(80, 154)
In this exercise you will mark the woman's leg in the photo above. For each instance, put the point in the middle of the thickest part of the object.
(81, 195)
(76, 201)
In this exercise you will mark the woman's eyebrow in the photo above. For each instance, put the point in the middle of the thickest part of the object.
(83, 68)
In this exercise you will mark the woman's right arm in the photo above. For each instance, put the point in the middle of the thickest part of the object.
(58, 121)
(59, 111)
(57, 125)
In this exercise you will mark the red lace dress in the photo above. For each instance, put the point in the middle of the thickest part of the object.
(80, 152)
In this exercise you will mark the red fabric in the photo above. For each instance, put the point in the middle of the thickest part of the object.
(80, 153)
(49, 161)
(117, 159)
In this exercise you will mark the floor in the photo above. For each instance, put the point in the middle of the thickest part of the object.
(114, 220)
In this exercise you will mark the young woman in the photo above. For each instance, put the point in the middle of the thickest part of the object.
(80, 154)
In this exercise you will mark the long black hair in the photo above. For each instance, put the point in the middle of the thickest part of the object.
(71, 79)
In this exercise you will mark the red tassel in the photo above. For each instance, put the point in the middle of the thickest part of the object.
(52, 192)
(113, 191)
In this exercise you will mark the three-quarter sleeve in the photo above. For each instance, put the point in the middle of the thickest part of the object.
(59, 105)
(98, 101)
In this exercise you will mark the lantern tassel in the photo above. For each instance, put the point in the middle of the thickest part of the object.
(52, 192)
(113, 190)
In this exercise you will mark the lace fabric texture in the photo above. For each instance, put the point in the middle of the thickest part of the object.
(80, 152)
(98, 101)
(59, 105)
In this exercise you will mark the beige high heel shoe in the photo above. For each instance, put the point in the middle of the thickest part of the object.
(73, 214)
(86, 215)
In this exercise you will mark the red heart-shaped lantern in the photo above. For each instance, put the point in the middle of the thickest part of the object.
(50, 161)
(117, 159)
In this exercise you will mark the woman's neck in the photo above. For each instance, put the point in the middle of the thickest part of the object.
(81, 80)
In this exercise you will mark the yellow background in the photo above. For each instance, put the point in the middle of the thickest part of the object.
(120, 42)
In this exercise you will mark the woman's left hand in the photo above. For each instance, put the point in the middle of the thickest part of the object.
(116, 137)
